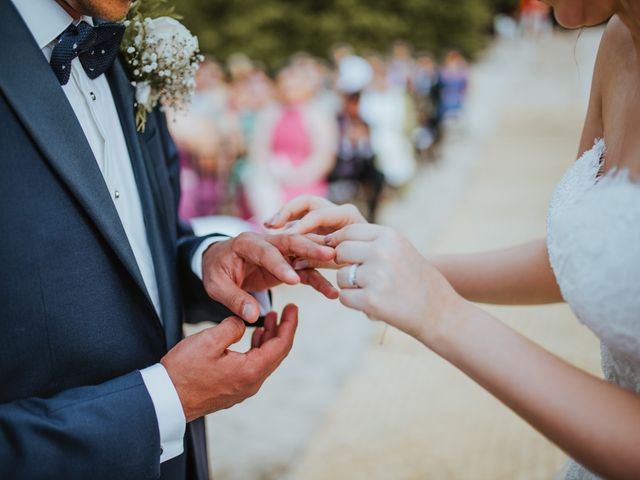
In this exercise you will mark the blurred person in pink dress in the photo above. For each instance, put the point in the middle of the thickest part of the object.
(208, 137)
(294, 146)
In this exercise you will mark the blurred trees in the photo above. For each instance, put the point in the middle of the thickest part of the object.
(503, 6)
(272, 30)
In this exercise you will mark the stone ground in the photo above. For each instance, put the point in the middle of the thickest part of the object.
(346, 406)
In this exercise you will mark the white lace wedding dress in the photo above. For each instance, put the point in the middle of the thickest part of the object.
(594, 248)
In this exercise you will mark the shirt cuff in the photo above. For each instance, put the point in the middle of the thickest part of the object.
(196, 260)
(264, 300)
(263, 297)
(169, 412)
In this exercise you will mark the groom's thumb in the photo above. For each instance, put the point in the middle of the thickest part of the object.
(229, 331)
(242, 304)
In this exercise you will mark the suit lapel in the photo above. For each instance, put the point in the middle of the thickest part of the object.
(32, 89)
(153, 204)
(124, 98)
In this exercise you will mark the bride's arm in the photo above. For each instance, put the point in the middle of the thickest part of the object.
(512, 276)
(595, 422)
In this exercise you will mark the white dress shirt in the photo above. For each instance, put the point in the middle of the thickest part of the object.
(93, 104)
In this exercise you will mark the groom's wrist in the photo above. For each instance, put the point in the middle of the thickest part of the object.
(196, 260)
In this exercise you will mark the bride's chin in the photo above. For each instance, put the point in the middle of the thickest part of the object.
(573, 18)
(570, 20)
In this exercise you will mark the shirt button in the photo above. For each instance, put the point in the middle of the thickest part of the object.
(116, 194)
(93, 96)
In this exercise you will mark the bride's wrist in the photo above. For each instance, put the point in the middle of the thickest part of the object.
(443, 334)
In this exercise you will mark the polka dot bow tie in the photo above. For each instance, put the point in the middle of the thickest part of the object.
(96, 47)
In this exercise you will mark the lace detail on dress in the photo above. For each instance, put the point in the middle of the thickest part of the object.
(593, 239)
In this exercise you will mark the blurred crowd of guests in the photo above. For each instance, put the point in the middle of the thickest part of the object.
(533, 19)
(346, 130)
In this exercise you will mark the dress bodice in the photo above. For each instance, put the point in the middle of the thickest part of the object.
(594, 250)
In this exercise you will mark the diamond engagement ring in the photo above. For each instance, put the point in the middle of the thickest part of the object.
(353, 270)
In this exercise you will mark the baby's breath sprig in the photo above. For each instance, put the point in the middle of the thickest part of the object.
(161, 58)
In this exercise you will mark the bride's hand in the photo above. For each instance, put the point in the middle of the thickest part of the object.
(393, 282)
(309, 214)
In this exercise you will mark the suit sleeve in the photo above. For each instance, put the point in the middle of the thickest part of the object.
(103, 431)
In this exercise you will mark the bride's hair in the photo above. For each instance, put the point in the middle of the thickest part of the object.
(575, 46)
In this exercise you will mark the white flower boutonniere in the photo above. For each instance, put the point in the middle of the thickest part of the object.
(161, 57)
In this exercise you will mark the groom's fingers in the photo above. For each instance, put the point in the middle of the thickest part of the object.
(270, 327)
(256, 337)
(314, 279)
(304, 264)
(262, 253)
(229, 331)
(315, 238)
(271, 353)
(302, 246)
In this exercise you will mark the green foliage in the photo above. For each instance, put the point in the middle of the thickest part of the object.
(151, 8)
(503, 6)
(272, 30)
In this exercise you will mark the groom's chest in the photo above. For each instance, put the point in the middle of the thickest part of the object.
(93, 105)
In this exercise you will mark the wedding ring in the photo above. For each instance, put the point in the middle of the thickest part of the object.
(353, 271)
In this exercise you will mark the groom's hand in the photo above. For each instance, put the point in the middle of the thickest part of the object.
(254, 262)
(208, 377)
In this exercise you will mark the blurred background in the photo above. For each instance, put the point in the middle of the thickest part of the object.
(449, 121)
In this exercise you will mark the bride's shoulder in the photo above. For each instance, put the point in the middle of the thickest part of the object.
(616, 44)
(613, 56)
(608, 63)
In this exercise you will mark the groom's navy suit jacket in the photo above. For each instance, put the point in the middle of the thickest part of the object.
(76, 322)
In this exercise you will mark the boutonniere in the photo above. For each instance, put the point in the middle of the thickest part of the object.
(161, 58)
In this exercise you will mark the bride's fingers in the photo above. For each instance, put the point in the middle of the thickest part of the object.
(296, 209)
(356, 299)
(349, 252)
(344, 277)
(331, 218)
(314, 279)
(346, 253)
(364, 232)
